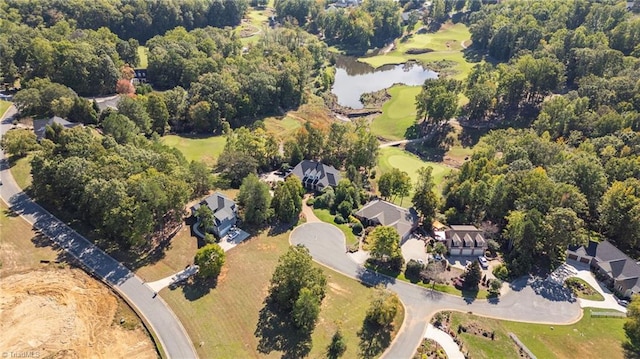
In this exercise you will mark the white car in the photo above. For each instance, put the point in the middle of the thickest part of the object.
(484, 263)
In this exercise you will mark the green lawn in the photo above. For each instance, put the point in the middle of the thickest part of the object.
(325, 216)
(588, 338)
(143, 53)
(205, 149)
(178, 254)
(585, 292)
(445, 45)
(4, 105)
(398, 113)
(393, 157)
(221, 323)
(21, 171)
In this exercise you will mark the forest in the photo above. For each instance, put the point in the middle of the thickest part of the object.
(563, 83)
(137, 19)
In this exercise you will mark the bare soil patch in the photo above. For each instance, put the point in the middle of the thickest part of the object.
(58, 312)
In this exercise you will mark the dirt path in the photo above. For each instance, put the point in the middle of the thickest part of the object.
(307, 211)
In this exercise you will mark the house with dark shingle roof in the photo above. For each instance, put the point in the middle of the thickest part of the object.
(379, 212)
(225, 214)
(315, 175)
(622, 272)
(465, 240)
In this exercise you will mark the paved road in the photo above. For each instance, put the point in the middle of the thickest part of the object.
(163, 322)
(521, 302)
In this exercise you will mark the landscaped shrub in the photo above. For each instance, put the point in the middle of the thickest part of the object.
(325, 200)
(501, 272)
(494, 287)
(412, 272)
(339, 219)
(311, 202)
(357, 229)
(345, 208)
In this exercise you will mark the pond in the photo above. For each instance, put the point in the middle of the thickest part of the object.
(353, 78)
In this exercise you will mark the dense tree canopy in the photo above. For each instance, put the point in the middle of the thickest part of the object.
(87, 61)
(255, 200)
(227, 84)
(136, 19)
(125, 191)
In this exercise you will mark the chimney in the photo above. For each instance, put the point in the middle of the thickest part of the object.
(220, 203)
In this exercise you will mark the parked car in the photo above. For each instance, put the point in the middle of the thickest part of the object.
(623, 302)
(437, 257)
(484, 263)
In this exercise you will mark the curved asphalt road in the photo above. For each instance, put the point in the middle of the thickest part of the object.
(326, 244)
(168, 329)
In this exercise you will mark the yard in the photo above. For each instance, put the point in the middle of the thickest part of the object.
(325, 216)
(205, 149)
(20, 247)
(176, 256)
(221, 321)
(443, 46)
(588, 338)
(398, 113)
(21, 171)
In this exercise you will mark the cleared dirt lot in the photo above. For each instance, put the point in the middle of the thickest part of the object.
(65, 313)
(52, 311)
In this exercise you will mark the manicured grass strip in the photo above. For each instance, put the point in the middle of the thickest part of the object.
(325, 216)
(4, 105)
(143, 54)
(398, 114)
(205, 149)
(222, 322)
(588, 338)
(21, 171)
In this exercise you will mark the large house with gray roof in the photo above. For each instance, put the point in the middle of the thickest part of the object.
(316, 176)
(622, 272)
(225, 214)
(465, 240)
(379, 212)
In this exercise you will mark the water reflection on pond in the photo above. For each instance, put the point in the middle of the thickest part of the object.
(353, 78)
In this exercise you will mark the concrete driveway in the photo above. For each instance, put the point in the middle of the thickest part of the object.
(413, 248)
(583, 272)
(521, 302)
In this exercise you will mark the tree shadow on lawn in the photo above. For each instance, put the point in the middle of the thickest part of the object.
(195, 288)
(276, 332)
(374, 339)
